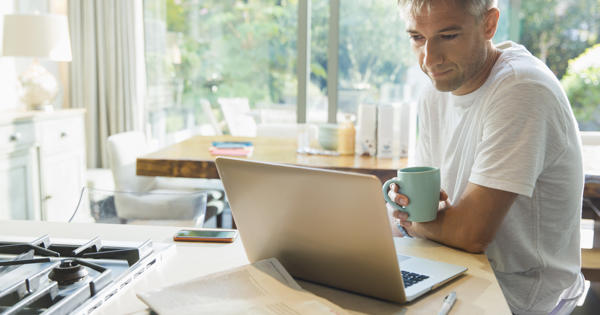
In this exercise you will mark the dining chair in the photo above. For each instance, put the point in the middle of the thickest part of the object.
(236, 112)
(207, 111)
(154, 207)
(277, 130)
(123, 150)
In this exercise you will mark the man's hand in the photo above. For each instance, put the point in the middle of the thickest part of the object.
(398, 217)
(470, 224)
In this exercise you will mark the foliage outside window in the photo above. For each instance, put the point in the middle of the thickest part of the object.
(582, 84)
(559, 32)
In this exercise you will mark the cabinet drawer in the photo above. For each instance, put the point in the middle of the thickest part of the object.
(16, 135)
(62, 134)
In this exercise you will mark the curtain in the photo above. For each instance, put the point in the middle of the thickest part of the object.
(108, 70)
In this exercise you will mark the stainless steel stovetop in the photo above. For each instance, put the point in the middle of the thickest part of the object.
(41, 276)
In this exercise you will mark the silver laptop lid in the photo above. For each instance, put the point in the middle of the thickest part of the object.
(324, 226)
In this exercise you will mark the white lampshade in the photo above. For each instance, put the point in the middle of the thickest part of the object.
(44, 36)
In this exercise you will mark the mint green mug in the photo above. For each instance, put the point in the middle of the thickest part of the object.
(422, 187)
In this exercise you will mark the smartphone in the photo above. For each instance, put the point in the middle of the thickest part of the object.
(226, 236)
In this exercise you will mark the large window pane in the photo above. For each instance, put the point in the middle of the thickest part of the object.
(374, 54)
(199, 51)
(317, 89)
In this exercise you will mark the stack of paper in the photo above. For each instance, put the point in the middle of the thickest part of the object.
(231, 148)
(264, 287)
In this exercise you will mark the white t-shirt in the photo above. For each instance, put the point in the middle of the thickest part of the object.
(515, 133)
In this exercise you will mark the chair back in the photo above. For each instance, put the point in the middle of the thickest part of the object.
(154, 207)
(590, 137)
(235, 112)
(123, 150)
(277, 130)
(207, 111)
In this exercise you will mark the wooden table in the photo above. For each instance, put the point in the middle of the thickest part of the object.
(477, 291)
(190, 158)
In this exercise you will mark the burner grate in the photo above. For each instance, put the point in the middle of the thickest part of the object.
(42, 277)
(93, 249)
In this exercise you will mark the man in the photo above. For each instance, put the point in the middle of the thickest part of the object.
(501, 130)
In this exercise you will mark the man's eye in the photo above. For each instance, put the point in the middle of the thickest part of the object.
(416, 37)
(449, 36)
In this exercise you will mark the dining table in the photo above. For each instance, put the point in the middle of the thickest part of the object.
(191, 158)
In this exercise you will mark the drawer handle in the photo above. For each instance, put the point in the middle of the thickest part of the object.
(15, 137)
(63, 134)
(47, 197)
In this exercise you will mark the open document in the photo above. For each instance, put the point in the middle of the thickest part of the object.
(264, 287)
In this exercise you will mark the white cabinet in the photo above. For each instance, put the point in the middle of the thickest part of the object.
(42, 164)
(19, 197)
(62, 166)
(19, 188)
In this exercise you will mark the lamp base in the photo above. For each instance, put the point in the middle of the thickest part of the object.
(38, 87)
(41, 107)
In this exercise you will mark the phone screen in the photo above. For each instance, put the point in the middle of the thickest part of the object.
(205, 235)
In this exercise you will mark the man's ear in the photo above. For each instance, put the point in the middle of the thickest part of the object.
(491, 23)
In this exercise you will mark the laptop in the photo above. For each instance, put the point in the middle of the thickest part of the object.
(327, 227)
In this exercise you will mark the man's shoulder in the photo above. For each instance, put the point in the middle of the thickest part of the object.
(517, 66)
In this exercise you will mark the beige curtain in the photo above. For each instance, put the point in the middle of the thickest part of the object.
(108, 70)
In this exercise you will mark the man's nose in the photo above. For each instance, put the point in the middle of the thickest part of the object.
(431, 54)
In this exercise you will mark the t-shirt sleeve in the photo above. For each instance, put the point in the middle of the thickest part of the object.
(521, 133)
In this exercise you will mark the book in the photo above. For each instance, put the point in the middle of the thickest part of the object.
(231, 144)
(264, 287)
(231, 148)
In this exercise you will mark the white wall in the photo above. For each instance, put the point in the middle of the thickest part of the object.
(8, 73)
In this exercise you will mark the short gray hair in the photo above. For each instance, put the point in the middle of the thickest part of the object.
(476, 8)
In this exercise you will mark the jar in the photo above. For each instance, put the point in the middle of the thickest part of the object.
(346, 136)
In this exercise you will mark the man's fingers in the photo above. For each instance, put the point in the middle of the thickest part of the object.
(400, 199)
(406, 225)
(402, 216)
(396, 214)
(443, 195)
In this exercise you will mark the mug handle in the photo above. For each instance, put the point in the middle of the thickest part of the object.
(386, 188)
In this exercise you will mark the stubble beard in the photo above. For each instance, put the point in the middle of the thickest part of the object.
(459, 75)
(448, 84)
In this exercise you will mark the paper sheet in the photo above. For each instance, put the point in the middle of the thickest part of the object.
(264, 287)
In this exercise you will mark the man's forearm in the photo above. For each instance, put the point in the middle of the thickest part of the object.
(449, 228)
(472, 223)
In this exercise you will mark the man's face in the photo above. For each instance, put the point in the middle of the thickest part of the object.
(450, 46)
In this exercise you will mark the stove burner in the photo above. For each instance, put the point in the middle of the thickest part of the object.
(69, 271)
(44, 277)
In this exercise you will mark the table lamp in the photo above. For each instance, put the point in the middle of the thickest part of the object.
(39, 36)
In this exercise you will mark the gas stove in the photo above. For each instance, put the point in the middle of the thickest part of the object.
(69, 276)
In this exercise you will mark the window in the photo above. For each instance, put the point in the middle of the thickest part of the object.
(198, 51)
(374, 54)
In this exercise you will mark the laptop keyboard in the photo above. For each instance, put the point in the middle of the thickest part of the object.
(411, 278)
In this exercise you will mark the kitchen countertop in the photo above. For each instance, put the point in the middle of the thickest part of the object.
(478, 291)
